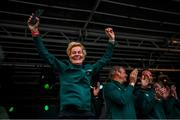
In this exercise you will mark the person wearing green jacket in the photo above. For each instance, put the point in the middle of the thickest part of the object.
(119, 97)
(97, 100)
(148, 105)
(75, 77)
(171, 102)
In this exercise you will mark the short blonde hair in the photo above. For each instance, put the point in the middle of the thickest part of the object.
(75, 44)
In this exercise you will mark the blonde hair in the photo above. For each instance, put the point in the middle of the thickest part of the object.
(75, 44)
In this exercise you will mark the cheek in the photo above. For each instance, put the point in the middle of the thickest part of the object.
(144, 82)
(71, 56)
(82, 55)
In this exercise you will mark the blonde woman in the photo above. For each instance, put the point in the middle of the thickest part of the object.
(75, 77)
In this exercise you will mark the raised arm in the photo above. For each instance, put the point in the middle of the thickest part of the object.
(49, 58)
(109, 51)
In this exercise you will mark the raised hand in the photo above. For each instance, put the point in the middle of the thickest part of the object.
(96, 89)
(133, 76)
(165, 92)
(33, 28)
(109, 33)
(158, 94)
(173, 91)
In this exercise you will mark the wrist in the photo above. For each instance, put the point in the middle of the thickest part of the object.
(35, 33)
(112, 41)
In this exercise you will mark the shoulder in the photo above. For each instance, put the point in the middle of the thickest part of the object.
(109, 86)
(66, 62)
(87, 66)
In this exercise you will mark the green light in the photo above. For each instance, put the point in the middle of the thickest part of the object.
(46, 86)
(11, 109)
(46, 107)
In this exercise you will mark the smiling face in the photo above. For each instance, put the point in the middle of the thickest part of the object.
(122, 74)
(118, 73)
(76, 55)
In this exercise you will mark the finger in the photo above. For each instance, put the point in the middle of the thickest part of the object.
(136, 69)
(29, 19)
(37, 23)
(108, 29)
(98, 84)
(37, 19)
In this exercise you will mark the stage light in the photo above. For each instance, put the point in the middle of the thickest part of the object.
(46, 86)
(46, 107)
(11, 109)
(101, 87)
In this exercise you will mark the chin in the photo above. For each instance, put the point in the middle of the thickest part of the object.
(77, 62)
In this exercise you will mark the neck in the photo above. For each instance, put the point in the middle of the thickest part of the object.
(116, 78)
(144, 87)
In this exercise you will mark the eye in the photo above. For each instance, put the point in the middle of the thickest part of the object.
(73, 52)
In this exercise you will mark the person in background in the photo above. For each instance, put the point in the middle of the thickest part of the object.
(75, 76)
(97, 99)
(119, 98)
(158, 110)
(171, 102)
(147, 104)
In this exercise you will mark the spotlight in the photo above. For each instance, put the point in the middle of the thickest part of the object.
(46, 107)
(46, 86)
(11, 109)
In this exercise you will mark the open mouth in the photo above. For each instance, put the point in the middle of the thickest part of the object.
(77, 58)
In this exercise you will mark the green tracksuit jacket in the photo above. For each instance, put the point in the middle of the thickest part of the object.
(147, 106)
(172, 108)
(119, 101)
(74, 79)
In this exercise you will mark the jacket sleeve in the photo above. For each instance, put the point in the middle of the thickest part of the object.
(177, 103)
(118, 96)
(105, 58)
(49, 58)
